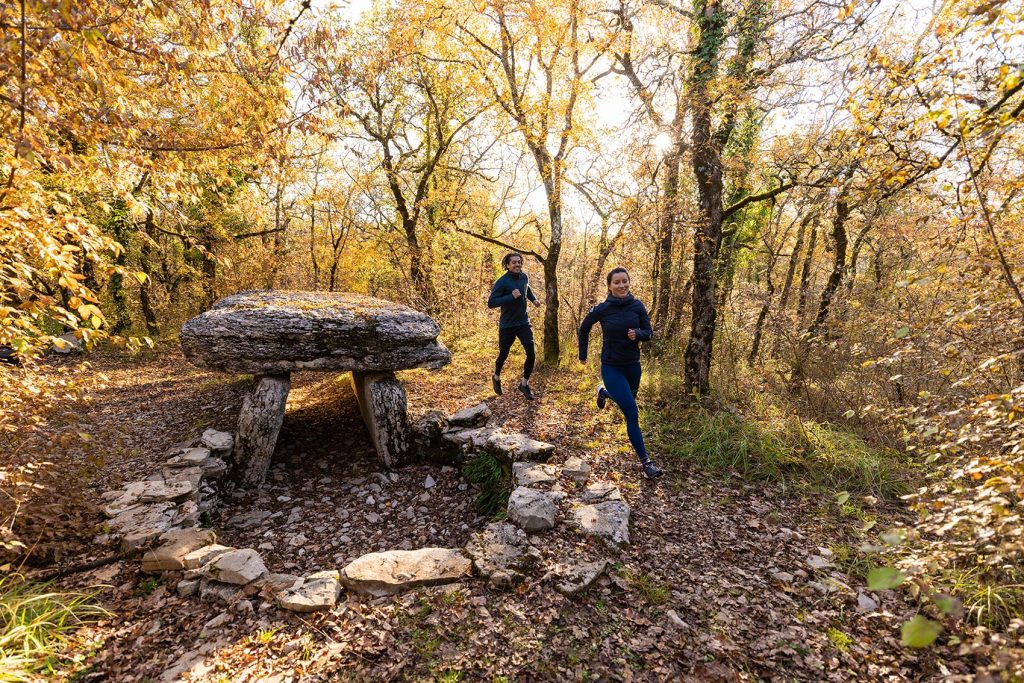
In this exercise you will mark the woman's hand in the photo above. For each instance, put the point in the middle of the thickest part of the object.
(632, 335)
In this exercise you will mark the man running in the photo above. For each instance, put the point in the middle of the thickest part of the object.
(511, 292)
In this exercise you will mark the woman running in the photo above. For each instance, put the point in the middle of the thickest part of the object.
(624, 324)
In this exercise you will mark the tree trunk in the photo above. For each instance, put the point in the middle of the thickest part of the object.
(553, 188)
(838, 266)
(755, 346)
(146, 262)
(805, 275)
(122, 308)
(707, 169)
(312, 246)
(706, 161)
(669, 215)
(418, 270)
(794, 258)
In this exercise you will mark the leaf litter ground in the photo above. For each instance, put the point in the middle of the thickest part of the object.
(722, 580)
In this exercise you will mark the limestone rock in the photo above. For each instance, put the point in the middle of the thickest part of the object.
(515, 447)
(576, 469)
(532, 474)
(382, 403)
(192, 475)
(502, 553)
(533, 510)
(175, 545)
(608, 521)
(200, 556)
(866, 603)
(427, 430)
(271, 332)
(190, 457)
(316, 592)
(237, 567)
(247, 520)
(140, 524)
(281, 582)
(472, 438)
(219, 443)
(474, 416)
(214, 468)
(217, 592)
(259, 423)
(149, 491)
(380, 574)
(574, 577)
(600, 491)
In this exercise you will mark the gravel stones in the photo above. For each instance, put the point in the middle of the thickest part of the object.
(237, 567)
(270, 332)
(315, 592)
(386, 573)
(608, 521)
(533, 510)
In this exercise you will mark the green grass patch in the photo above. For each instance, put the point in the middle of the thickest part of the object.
(780, 448)
(36, 623)
(986, 602)
(494, 480)
(654, 592)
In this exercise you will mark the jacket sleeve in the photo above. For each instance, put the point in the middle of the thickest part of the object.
(495, 300)
(644, 332)
(583, 336)
(529, 294)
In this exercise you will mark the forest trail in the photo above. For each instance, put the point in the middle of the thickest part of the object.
(724, 580)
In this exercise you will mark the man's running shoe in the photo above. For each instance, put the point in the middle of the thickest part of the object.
(496, 384)
(525, 388)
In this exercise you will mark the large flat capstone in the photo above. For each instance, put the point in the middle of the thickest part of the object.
(274, 332)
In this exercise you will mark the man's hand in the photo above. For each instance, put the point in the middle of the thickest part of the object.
(536, 302)
(632, 335)
(516, 294)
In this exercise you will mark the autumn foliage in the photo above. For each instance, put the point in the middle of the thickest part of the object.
(820, 201)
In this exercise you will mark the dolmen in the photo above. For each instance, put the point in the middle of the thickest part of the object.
(271, 334)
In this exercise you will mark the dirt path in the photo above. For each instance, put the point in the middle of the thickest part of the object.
(715, 586)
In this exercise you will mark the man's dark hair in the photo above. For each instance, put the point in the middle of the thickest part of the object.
(612, 272)
(508, 257)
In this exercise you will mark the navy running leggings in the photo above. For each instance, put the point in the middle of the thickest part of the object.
(622, 382)
(524, 333)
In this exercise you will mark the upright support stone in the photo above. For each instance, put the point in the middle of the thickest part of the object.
(382, 402)
(259, 423)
